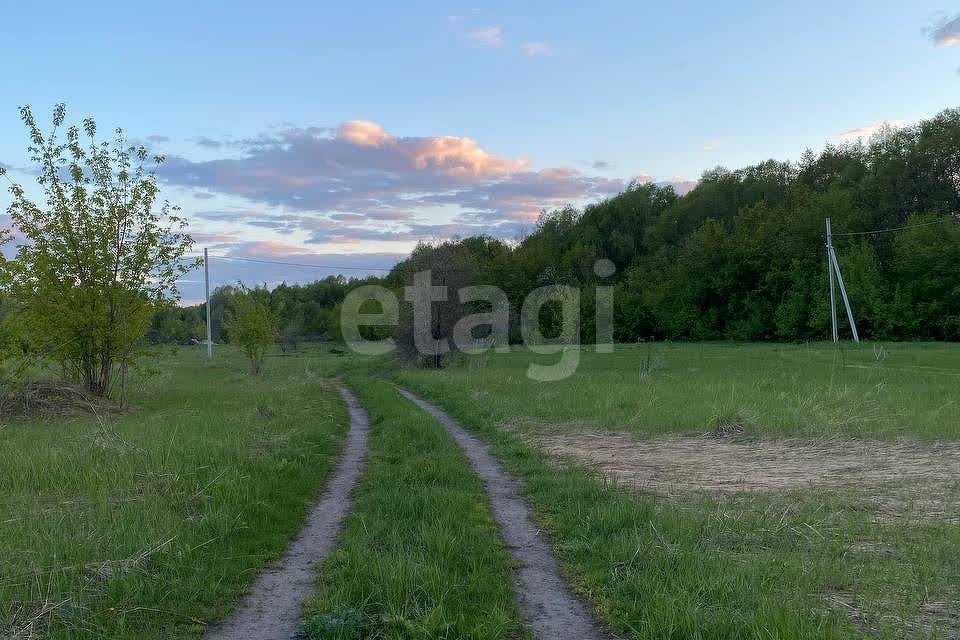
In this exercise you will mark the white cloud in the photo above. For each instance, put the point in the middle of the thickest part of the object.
(486, 37)
(710, 145)
(870, 130)
(537, 48)
(947, 33)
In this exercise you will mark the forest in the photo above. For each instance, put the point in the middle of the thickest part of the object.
(740, 257)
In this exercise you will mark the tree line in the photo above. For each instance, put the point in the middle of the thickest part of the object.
(739, 257)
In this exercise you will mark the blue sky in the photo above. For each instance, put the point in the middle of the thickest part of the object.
(343, 133)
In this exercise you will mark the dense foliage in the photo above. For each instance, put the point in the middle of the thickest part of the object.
(739, 257)
(100, 253)
(742, 255)
(303, 312)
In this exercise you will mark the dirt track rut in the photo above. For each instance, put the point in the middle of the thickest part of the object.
(272, 609)
(549, 607)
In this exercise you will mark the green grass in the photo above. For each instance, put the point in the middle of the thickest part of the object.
(797, 564)
(420, 557)
(885, 391)
(153, 522)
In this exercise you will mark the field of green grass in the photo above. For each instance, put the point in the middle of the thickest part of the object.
(798, 563)
(150, 524)
(898, 389)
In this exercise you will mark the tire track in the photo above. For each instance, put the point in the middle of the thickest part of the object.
(272, 609)
(548, 605)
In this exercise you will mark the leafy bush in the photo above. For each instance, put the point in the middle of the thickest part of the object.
(252, 326)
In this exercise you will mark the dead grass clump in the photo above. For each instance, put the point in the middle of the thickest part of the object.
(897, 479)
(929, 620)
(107, 569)
(728, 430)
(54, 398)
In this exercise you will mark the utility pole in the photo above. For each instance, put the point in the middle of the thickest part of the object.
(833, 294)
(206, 280)
(835, 267)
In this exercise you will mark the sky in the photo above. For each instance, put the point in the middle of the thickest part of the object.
(338, 135)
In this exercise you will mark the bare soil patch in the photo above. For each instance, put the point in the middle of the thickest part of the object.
(901, 478)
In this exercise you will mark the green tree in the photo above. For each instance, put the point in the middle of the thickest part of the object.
(100, 256)
(251, 325)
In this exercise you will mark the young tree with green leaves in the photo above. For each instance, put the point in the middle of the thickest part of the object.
(252, 325)
(100, 254)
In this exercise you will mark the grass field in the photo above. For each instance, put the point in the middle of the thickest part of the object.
(807, 561)
(873, 391)
(149, 524)
(152, 523)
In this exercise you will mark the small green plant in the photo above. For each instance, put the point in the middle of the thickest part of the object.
(252, 326)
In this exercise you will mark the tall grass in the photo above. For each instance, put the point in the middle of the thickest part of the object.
(150, 524)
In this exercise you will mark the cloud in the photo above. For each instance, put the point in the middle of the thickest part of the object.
(710, 145)
(486, 37)
(215, 238)
(300, 266)
(281, 223)
(363, 133)
(209, 143)
(871, 129)
(158, 139)
(681, 186)
(536, 48)
(359, 184)
(361, 168)
(599, 164)
(947, 33)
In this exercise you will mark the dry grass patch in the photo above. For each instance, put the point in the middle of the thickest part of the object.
(50, 398)
(898, 478)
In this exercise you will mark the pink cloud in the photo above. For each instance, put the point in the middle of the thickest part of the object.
(461, 155)
(271, 249)
(363, 132)
(359, 183)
